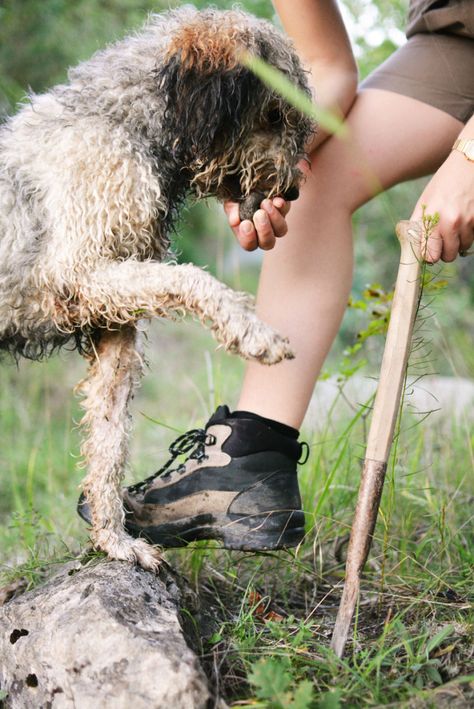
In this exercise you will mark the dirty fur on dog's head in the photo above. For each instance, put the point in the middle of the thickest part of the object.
(209, 124)
(94, 171)
(234, 135)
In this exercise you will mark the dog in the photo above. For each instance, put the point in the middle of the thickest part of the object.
(92, 176)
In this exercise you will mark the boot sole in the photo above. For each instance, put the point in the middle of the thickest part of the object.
(269, 531)
(264, 532)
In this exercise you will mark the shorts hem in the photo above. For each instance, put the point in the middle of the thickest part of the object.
(412, 89)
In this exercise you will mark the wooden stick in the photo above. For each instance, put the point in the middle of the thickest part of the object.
(384, 416)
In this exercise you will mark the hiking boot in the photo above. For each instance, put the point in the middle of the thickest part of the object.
(238, 485)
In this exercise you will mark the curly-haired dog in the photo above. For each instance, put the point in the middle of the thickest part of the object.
(91, 177)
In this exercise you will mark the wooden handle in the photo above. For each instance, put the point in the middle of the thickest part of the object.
(398, 343)
(384, 416)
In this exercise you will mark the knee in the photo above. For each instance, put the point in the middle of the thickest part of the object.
(336, 181)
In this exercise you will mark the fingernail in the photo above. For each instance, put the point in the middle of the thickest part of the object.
(246, 227)
(260, 217)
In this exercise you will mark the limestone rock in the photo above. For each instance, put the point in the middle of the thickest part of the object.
(102, 635)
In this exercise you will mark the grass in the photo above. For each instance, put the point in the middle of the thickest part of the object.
(273, 614)
(413, 642)
(267, 619)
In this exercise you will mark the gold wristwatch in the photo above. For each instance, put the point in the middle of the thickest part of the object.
(466, 147)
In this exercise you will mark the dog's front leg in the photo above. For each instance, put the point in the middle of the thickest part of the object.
(115, 370)
(125, 292)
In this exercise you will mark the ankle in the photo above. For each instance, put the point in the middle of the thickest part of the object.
(276, 426)
(255, 434)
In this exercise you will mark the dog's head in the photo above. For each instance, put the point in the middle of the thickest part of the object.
(235, 136)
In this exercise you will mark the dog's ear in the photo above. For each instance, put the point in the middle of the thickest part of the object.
(206, 89)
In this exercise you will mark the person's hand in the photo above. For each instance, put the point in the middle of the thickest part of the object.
(268, 224)
(450, 192)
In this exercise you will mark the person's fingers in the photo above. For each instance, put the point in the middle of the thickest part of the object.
(282, 205)
(277, 220)
(232, 211)
(466, 238)
(449, 229)
(268, 224)
(432, 248)
(244, 231)
(247, 236)
(263, 225)
(451, 243)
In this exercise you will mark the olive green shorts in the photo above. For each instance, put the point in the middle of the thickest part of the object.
(433, 67)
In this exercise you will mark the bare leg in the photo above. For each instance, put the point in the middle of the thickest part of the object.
(306, 279)
(115, 371)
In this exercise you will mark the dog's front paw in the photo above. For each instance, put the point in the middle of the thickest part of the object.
(257, 341)
(236, 326)
(266, 346)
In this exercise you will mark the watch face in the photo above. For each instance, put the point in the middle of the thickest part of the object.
(469, 150)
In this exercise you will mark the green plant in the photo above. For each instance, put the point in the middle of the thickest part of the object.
(275, 685)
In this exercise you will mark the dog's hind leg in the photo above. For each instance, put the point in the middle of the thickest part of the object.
(124, 292)
(115, 371)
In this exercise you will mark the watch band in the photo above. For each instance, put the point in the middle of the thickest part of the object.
(466, 147)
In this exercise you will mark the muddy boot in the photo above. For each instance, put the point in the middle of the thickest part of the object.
(238, 485)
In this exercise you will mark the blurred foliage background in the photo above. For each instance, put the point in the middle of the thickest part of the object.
(421, 567)
(40, 39)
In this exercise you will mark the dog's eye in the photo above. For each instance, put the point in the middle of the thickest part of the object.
(274, 117)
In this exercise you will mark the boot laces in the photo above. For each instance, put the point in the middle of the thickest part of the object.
(195, 441)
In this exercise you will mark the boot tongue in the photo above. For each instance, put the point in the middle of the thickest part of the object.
(219, 416)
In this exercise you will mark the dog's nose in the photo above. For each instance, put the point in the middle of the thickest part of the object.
(291, 194)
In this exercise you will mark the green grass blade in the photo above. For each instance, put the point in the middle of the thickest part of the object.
(439, 638)
(280, 83)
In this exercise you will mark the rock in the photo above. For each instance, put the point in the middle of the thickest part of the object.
(104, 634)
(447, 398)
